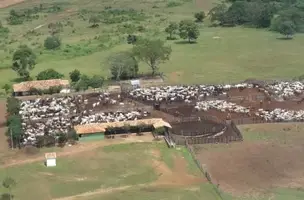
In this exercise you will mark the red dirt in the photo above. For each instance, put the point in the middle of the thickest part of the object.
(7, 3)
(255, 167)
(177, 176)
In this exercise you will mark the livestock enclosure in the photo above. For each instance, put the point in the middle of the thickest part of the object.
(198, 114)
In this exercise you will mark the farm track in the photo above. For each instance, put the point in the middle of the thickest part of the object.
(178, 176)
(8, 3)
(68, 151)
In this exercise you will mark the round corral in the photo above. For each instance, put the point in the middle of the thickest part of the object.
(197, 128)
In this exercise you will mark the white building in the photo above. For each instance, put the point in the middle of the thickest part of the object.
(50, 159)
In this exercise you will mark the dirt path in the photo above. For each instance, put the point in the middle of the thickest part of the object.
(178, 176)
(7, 3)
(99, 191)
(82, 147)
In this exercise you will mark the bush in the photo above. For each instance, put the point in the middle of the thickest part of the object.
(123, 66)
(173, 4)
(49, 74)
(75, 75)
(12, 106)
(199, 16)
(96, 81)
(62, 139)
(52, 42)
(72, 135)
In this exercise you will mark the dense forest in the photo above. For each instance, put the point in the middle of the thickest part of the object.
(283, 16)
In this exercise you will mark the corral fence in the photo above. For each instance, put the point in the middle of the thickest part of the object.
(204, 171)
(182, 140)
(206, 134)
(256, 120)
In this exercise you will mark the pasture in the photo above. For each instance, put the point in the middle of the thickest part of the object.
(267, 165)
(141, 170)
(236, 53)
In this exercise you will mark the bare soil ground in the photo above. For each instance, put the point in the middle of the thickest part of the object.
(7, 3)
(254, 167)
(178, 176)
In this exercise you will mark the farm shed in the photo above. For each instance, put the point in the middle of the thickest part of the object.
(97, 130)
(23, 88)
(50, 159)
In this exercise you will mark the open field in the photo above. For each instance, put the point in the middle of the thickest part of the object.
(267, 164)
(237, 54)
(138, 169)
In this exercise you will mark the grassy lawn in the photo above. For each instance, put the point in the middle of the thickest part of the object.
(108, 167)
(203, 192)
(237, 53)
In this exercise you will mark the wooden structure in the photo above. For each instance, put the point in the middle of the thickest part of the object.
(97, 130)
(24, 88)
(50, 159)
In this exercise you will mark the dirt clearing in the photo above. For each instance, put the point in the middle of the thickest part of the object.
(7, 3)
(258, 165)
(177, 176)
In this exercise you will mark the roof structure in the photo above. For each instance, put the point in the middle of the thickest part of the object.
(41, 84)
(101, 127)
(51, 155)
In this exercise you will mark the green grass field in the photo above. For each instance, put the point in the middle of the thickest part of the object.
(115, 166)
(239, 53)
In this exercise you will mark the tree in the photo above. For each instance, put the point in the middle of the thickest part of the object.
(55, 27)
(49, 74)
(286, 28)
(52, 42)
(62, 139)
(131, 39)
(9, 183)
(172, 29)
(152, 52)
(12, 106)
(217, 13)
(75, 75)
(200, 16)
(188, 30)
(7, 88)
(24, 60)
(94, 20)
(96, 81)
(123, 66)
(83, 83)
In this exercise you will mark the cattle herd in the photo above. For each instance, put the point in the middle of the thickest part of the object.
(48, 116)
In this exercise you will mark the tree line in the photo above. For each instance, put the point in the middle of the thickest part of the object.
(123, 65)
(283, 16)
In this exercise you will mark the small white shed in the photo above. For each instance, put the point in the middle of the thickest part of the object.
(50, 159)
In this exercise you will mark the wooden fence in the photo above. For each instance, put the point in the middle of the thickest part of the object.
(256, 120)
(204, 171)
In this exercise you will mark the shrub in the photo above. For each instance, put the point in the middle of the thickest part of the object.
(173, 4)
(12, 106)
(62, 139)
(96, 81)
(75, 75)
(49, 74)
(199, 16)
(52, 42)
